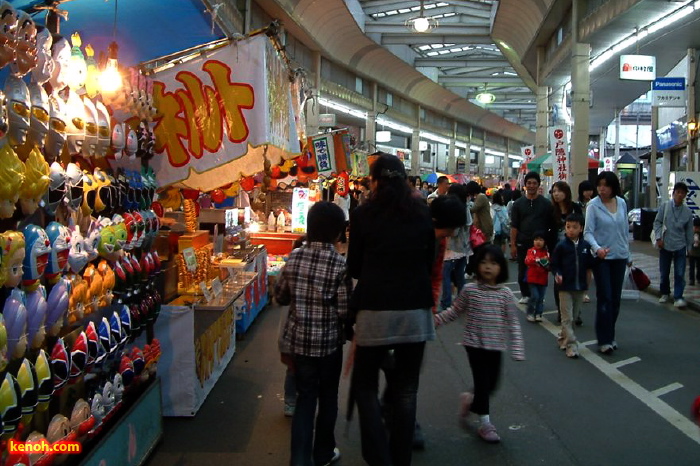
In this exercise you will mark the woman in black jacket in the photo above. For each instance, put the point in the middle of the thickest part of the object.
(391, 253)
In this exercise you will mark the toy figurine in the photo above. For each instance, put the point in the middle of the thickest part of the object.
(39, 117)
(91, 137)
(103, 130)
(18, 109)
(45, 64)
(11, 179)
(29, 390)
(60, 364)
(56, 193)
(10, 405)
(36, 182)
(36, 305)
(59, 237)
(56, 137)
(44, 381)
(57, 305)
(26, 58)
(15, 314)
(37, 249)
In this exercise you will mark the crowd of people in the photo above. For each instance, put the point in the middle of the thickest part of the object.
(417, 261)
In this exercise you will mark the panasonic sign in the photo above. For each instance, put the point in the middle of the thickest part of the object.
(668, 92)
(638, 67)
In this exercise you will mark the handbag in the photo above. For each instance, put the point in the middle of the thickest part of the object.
(640, 278)
(652, 235)
(476, 237)
(629, 287)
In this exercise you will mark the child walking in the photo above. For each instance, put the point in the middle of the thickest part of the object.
(694, 253)
(316, 285)
(491, 316)
(571, 262)
(537, 263)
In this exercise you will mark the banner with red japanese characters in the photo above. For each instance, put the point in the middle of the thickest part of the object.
(221, 114)
(560, 152)
(528, 153)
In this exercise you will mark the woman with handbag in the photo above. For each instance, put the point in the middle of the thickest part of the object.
(481, 231)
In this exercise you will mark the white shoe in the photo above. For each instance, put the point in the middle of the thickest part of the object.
(524, 300)
(680, 303)
(664, 298)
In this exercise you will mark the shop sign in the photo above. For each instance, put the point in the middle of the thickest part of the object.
(221, 114)
(528, 153)
(560, 152)
(300, 208)
(608, 165)
(693, 198)
(668, 92)
(669, 136)
(326, 119)
(638, 67)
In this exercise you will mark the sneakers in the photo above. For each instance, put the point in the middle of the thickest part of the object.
(571, 353)
(614, 345)
(664, 299)
(488, 433)
(335, 458)
(680, 303)
(524, 300)
(288, 410)
(606, 349)
(586, 298)
(530, 318)
(538, 318)
(465, 403)
(418, 439)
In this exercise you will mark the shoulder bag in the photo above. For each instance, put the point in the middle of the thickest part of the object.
(652, 236)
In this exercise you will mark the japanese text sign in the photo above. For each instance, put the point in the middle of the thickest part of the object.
(560, 152)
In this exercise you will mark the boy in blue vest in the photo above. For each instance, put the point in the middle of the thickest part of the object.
(570, 262)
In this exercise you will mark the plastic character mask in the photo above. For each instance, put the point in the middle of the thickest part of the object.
(125, 319)
(11, 179)
(92, 85)
(120, 231)
(115, 327)
(59, 236)
(8, 33)
(126, 369)
(81, 420)
(10, 404)
(18, 110)
(4, 121)
(131, 231)
(95, 288)
(89, 193)
(78, 256)
(103, 130)
(3, 344)
(39, 116)
(102, 197)
(45, 64)
(90, 144)
(57, 305)
(78, 300)
(36, 182)
(37, 250)
(36, 317)
(57, 189)
(140, 229)
(118, 139)
(137, 359)
(76, 65)
(57, 127)
(93, 240)
(26, 58)
(108, 282)
(15, 314)
(108, 242)
(12, 244)
(97, 408)
(92, 342)
(108, 396)
(106, 339)
(75, 124)
(118, 384)
(61, 58)
(44, 382)
(74, 191)
(132, 143)
(29, 390)
(78, 356)
(59, 429)
(60, 364)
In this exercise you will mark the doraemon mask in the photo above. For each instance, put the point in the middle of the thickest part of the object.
(60, 52)
(75, 123)
(15, 315)
(90, 144)
(10, 404)
(36, 317)
(18, 109)
(39, 117)
(26, 58)
(57, 305)
(118, 139)
(103, 130)
(8, 33)
(59, 236)
(78, 256)
(37, 250)
(57, 127)
(43, 376)
(74, 191)
(57, 189)
(45, 65)
(60, 364)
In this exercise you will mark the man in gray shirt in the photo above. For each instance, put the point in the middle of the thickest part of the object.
(673, 227)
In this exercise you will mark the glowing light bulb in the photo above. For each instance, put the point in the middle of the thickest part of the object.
(421, 24)
(110, 79)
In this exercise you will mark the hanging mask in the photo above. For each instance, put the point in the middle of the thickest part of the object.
(137, 359)
(10, 404)
(108, 396)
(11, 179)
(131, 233)
(92, 342)
(12, 244)
(36, 317)
(131, 143)
(115, 326)
(92, 78)
(78, 257)
(108, 282)
(118, 139)
(142, 140)
(125, 319)
(29, 390)
(3, 344)
(92, 240)
(39, 117)
(106, 339)
(60, 364)
(15, 315)
(81, 420)
(45, 384)
(108, 242)
(36, 182)
(102, 196)
(75, 124)
(140, 229)
(74, 190)
(120, 231)
(57, 127)
(103, 130)
(60, 52)
(26, 58)
(18, 110)
(57, 305)
(77, 67)
(118, 384)
(90, 144)
(45, 65)
(89, 193)
(78, 356)
(4, 120)
(37, 250)
(97, 408)
(78, 300)
(126, 370)
(57, 189)
(59, 236)
(123, 189)
(8, 33)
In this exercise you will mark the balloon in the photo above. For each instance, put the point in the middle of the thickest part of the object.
(247, 183)
(218, 196)
(190, 194)
(157, 207)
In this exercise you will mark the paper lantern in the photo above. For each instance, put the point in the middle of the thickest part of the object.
(247, 183)
(217, 196)
(192, 194)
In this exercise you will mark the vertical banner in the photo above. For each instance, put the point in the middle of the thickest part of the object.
(560, 152)
(300, 208)
(324, 153)
(608, 165)
(692, 179)
(528, 153)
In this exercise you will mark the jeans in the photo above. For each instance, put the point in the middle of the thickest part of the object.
(452, 272)
(486, 368)
(536, 303)
(694, 267)
(678, 258)
(317, 380)
(522, 268)
(609, 275)
(377, 449)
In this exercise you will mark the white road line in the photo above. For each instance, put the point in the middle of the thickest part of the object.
(624, 362)
(589, 343)
(650, 399)
(549, 312)
(667, 389)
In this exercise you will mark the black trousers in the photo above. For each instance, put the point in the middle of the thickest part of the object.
(486, 369)
(522, 268)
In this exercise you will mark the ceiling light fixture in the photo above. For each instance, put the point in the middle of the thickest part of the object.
(485, 97)
(421, 23)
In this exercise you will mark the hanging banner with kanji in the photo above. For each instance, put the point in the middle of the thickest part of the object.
(221, 114)
(528, 153)
(331, 152)
(560, 152)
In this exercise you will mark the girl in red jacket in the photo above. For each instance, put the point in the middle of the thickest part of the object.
(537, 262)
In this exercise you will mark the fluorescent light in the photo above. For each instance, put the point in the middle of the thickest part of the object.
(383, 136)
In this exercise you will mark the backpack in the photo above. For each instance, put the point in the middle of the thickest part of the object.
(501, 225)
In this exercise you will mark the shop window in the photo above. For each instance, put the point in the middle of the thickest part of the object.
(358, 85)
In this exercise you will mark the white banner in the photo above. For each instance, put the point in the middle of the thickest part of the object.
(560, 152)
(528, 153)
(220, 113)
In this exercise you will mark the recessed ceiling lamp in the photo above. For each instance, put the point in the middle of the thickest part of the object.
(420, 23)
